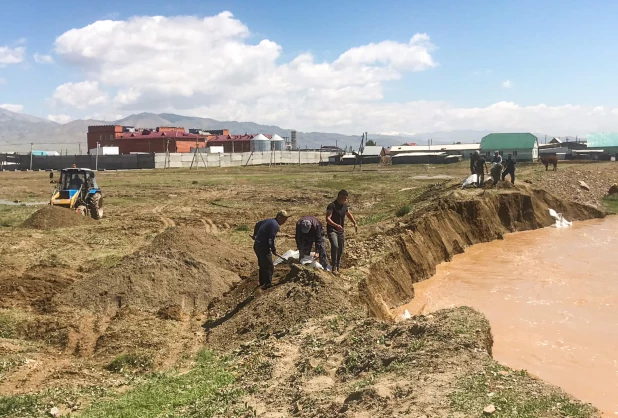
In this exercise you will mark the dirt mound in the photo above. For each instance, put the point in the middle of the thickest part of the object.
(301, 295)
(180, 267)
(433, 366)
(450, 224)
(36, 287)
(51, 217)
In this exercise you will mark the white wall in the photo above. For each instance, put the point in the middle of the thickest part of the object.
(178, 160)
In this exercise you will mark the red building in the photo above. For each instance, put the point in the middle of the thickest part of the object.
(128, 139)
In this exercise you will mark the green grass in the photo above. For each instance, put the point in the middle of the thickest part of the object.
(202, 392)
(20, 406)
(131, 361)
(11, 322)
(404, 210)
(11, 216)
(611, 203)
(515, 394)
(242, 228)
(373, 219)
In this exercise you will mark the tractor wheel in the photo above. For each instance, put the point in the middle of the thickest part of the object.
(82, 210)
(96, 206)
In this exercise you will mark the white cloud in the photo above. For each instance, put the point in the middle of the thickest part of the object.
(80, 95)
(43, 59)
(507, 84)
(210, 68)
(10, 55)
(60, 118)
(17, 108)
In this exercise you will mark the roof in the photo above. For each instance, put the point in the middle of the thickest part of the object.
(276, 137)
(372, 150)
(418, 154)
(260, 137)
(555, 141)
(76, 169)
(603, 139)
(437, 147)
(226, 138)
(499, 141)
(153, 134)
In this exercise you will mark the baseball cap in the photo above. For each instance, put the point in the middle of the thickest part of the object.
(496, 152)
(283, 213)
(305, 226)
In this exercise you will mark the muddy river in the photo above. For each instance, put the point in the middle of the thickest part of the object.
(551, 297)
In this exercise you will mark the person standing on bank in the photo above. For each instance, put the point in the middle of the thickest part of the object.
(264, 234)
(473, 159)
(309, 230)
(509, 168)
(481, 170)
(336, 213)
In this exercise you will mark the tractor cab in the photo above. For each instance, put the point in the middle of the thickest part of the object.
(77, 189)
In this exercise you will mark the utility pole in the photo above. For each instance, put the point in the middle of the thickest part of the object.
(31, 156)
(96, 160)
(79, 144)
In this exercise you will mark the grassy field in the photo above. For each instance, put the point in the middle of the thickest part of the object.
(134, 363)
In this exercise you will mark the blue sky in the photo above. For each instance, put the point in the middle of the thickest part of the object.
(552, 52)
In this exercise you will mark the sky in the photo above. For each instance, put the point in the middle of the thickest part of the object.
(344, 66)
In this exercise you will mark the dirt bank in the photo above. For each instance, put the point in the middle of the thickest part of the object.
(449, 222)
(246, 313)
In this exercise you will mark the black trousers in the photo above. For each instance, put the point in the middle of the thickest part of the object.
(510, 171)
(265, 262)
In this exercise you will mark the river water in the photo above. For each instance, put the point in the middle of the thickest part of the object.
(551, 297)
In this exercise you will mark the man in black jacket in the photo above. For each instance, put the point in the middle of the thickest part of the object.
(309, 231)
(264, 234)
(509, 168)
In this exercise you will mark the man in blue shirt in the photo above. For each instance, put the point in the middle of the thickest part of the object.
(264, 234)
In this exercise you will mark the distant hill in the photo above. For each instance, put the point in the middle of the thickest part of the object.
(18, 130)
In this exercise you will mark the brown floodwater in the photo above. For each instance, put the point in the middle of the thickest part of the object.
(551, 297)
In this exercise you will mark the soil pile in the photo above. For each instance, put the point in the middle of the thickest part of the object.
(51, 217)
(36, 287)
(565, 182)
(180, 267)
(301, 295)
(448, 225)
(434, 366)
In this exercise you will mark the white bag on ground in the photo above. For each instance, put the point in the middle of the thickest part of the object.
(287, 255)
(560, 221)
(470, 180)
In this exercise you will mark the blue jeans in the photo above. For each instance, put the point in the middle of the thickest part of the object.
(337, 242)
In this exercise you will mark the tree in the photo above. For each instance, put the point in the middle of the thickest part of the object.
(370, 143)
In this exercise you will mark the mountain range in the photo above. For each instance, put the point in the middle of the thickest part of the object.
(18, 131)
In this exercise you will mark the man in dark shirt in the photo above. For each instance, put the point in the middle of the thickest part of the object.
(309, 231)
(473, 159)
(480, 170)
(264, 234)
(336, 213)
(509, 168)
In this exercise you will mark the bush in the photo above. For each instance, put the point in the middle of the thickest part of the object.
(404, 210)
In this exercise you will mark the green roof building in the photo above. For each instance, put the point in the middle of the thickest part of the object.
(523, 146)
(607, 141)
